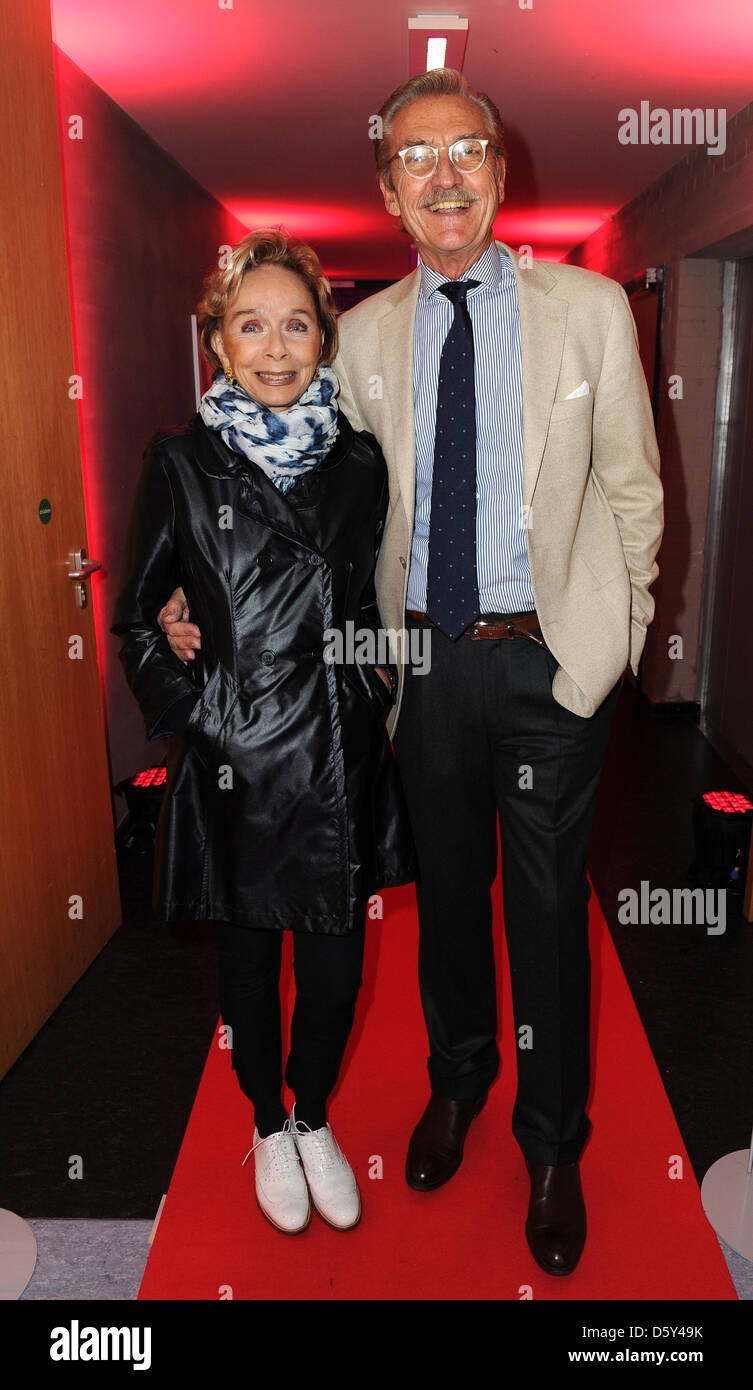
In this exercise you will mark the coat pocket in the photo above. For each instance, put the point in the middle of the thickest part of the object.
(203, 732)
(580, 408)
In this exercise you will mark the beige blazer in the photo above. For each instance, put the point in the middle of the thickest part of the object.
(592, 497)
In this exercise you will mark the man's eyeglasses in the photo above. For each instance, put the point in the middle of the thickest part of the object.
(420, 161)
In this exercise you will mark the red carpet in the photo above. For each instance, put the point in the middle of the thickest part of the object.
(648, 1236)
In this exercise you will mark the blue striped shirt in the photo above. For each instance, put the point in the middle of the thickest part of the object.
(504, 578)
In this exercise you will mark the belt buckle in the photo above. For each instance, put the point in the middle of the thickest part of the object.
(478, 636)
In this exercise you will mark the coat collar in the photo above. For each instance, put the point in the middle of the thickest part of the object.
(259, 498)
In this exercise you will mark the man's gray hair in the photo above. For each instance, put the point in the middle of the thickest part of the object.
(441, 82)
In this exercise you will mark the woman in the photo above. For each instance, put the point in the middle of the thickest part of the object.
(283, 808)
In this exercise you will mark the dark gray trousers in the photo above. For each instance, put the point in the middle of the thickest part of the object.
(481, 737)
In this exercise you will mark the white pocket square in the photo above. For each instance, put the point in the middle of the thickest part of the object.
(581, 390)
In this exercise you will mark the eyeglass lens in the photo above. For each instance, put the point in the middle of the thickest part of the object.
(466, 155)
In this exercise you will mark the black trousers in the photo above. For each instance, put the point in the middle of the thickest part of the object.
(327, 980)
(479, 736)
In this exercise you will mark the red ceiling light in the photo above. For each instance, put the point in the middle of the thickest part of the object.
(436, 41)
(316, 220)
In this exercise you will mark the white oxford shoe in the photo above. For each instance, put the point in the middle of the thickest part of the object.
(332, 1183)
(281, 1189)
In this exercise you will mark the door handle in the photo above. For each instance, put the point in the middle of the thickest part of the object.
(81, 569)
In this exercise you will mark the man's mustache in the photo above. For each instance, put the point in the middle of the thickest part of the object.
(438, 195)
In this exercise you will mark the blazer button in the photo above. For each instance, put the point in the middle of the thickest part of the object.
(267, 658)
(403, 561)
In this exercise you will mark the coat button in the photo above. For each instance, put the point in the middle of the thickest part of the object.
(403, 561)
(316, 560)
(267, 658)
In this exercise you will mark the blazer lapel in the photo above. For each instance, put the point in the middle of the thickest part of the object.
(396, 331)
(543, 319)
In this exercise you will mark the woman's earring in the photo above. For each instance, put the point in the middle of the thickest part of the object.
(230, 379)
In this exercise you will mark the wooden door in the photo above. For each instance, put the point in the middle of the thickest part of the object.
(59, 899)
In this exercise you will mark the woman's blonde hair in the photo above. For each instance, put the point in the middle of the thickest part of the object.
(267, 246)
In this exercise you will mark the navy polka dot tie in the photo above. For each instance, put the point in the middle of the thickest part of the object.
(452, 600)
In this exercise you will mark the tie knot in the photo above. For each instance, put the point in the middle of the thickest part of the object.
(456, 290)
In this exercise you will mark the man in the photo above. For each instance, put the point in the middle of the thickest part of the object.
(525, 515)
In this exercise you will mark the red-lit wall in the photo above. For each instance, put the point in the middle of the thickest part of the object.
(699, 213)
(142, 234)
(703, 201)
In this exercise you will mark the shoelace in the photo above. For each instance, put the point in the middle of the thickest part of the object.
(327, 1149)
(279, 1162)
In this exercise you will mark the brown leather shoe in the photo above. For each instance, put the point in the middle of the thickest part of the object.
(435, 1151)
(556, 1225)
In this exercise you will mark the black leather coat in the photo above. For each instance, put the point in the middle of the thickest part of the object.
(283, 806)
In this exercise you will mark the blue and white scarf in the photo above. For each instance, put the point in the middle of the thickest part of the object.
(284, 443)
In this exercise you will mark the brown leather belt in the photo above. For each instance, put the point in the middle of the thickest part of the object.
(494, 627)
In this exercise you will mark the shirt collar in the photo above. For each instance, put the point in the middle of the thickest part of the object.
(490, 267)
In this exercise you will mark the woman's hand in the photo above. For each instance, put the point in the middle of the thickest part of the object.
(184, 637)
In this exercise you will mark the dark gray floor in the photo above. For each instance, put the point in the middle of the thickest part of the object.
(693, 990)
